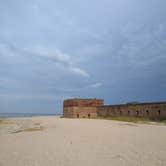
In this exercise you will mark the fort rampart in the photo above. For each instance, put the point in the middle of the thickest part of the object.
(156, 110)
(91, 108)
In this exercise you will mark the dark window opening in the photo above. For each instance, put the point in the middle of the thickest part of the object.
(77, 115)
(120, 112)
(159, 112)
(88, 115)
(137, 112)
(128, 112)
(147, 112)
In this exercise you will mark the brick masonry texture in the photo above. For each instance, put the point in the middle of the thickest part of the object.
(81, 108)
(92, 108)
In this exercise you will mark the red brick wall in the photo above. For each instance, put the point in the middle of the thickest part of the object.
(149, 110)
(81, 108)
(91, 108)
(83, 102)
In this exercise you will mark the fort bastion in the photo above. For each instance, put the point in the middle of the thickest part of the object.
(81, 108)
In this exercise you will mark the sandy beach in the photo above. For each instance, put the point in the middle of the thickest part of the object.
(54, 141)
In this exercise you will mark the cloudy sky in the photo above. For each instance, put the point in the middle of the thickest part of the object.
(56, 49)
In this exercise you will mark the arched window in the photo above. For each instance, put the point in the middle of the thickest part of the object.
(147, 112)
(128, 112)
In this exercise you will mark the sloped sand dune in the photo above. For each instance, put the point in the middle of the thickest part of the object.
(54, 141)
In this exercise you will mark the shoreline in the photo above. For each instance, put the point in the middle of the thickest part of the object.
(20, 115)
(116, 119)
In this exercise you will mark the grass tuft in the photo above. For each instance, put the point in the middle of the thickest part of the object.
(1, 121)
(133, 119)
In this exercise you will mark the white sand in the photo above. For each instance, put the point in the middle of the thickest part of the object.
(81, 142)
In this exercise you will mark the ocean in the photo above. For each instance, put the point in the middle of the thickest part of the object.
(12, 115)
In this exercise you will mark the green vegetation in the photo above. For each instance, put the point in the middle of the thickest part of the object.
(131, 119)
(5, 121)
(163, 121)
(134, 119)
(1, 121)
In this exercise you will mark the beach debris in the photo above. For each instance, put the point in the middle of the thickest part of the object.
(29, 129)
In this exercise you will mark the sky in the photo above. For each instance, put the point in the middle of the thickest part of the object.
(51, 50)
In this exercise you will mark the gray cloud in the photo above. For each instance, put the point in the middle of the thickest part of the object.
(144, 46)
(60, 58)
(51, 50)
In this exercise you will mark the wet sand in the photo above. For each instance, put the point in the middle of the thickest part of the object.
(54, 141)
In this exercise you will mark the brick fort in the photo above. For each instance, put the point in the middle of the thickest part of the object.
(92, 108)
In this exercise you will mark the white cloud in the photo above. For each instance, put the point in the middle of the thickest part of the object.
(62, 59)
(79, 71)
(96, 85)
(55, 54)
(82, 88)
